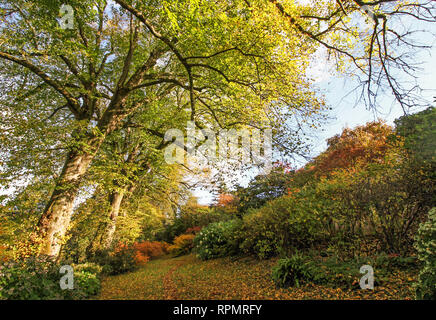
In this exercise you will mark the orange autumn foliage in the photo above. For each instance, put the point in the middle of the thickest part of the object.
(193, 230)
(225, 199)
(151, 248)
(141, 259)
(143, 251)
(121, 246)
(183, 244)
(366, 143)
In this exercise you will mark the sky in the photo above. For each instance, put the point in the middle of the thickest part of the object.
(345, 113)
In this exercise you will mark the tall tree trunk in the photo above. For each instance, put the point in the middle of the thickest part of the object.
(115, 199)
(55, 220)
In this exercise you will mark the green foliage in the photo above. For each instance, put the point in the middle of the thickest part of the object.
(388, 200)
(336, 273)
(426, 247)
(340, 274)
(118, 261)
(263, 232)
(293, 271)
(395, 262)
(362, 196)
(218, 239)
(183, 244)
(191, 215)
(38, 279)
(419, 131)
(88, 282)
(88, 267)
(263, 188)
(281, 225)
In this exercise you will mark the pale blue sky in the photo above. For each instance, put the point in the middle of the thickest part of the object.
(346, 114)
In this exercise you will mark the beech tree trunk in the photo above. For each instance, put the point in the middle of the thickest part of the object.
(56, 218)
(115, 199)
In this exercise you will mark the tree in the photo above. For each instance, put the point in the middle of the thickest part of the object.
(377, 41)
(115, 61)
(264, 188)
(419, 131)
(379, 191)
(235, 63)
(362, 144)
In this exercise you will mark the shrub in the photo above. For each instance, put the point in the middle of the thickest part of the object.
(88, 282)
(336, 273)
(37, 278)
(165, 247)
(426, 247)
(218, 239)
(102, 258)
(107, 269)
(343, 274)
(121, 260)
(141, 259)
(183, 244)
(150, 249)
(192, 217)
(263, 231)
(390, 262)
(88, 267)
(293, 271)
(282, 226)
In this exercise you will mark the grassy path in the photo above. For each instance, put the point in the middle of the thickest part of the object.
(245, 279)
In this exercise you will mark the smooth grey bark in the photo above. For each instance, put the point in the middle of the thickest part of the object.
(116, 199)
(55, 220)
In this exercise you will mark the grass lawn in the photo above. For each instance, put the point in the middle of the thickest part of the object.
(188, 278)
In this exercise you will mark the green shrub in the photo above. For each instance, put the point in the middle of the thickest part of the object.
(102, 258)
(343, 274)
(38, 278)
(118, 261)
(87, 277)
(218, 239)
(183, 244)
(426, 247)
(107, 269)
(264, 231)
(334, 272)
(294, 271)
(282, 226)
(395, 262)
(89, 267)
(87, 282)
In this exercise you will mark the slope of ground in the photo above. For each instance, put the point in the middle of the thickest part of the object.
(188, 278)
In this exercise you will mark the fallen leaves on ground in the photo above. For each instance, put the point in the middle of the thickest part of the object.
(188, 278)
